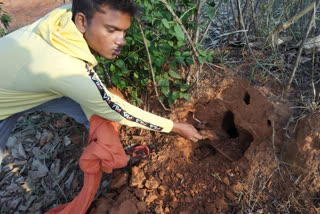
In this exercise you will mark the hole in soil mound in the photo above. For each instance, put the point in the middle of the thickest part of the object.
(245, 139)
(228, 139)
(246, 98)
(269, 123)
(229, 126)
(238, 140)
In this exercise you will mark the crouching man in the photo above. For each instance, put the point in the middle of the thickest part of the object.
(48, 66)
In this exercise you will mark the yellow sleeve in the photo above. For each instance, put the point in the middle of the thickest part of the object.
(94, 98)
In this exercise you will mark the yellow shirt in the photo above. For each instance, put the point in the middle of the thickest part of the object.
(50, 59)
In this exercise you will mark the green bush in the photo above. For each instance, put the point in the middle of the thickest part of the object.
(169, 51)
(5, 19)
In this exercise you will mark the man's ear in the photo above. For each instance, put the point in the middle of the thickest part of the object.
(81, 23)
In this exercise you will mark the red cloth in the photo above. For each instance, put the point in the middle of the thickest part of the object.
(103, 153)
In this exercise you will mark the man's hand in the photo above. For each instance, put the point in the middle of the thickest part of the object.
(187, 131)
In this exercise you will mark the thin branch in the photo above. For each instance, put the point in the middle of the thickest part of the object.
(230, 33)
(151, 68)
(196, 27)
(187, 12)
(240, 18)
(234, 14)
(253, 182)
(253, 17)
(315, 6)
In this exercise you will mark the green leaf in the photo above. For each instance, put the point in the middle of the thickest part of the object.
(166, 76)
(185, 96)
(186, 53)
(175, 95)
(128, 39)
(173, 64)
(171, 100)
(112, 68)
(170, 43)
(120, 63)
(115, 79)
(184, 87)
(144, 82)
(134, 94)
(157, 62)
(202, 59)
(177, 53)
(165, 91)
(165, 23)
(174, 74)
(177, 83)
(161, 98)
(172, 5)
(139, 101)
(165, 49)
(122, 85)
(189, 60)
(180, 44)
(164, 83)
(180, 60)
(210, 12)
(179, 33)
(203, 53)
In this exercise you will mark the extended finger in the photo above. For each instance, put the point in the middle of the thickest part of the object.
(198, 136)
(194, 139)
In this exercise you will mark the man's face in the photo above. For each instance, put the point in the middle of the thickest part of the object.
(106, 32)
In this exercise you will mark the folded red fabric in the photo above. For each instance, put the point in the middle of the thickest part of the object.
(103, 153)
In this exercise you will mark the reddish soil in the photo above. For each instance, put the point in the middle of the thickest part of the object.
(254, 163)
(250, 165)
(209, 176)
(24, 12)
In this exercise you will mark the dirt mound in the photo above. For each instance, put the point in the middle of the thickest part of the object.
(239, 116)
(202, 177)
(303, 154)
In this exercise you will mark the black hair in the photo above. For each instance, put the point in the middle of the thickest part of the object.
(89, 7)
